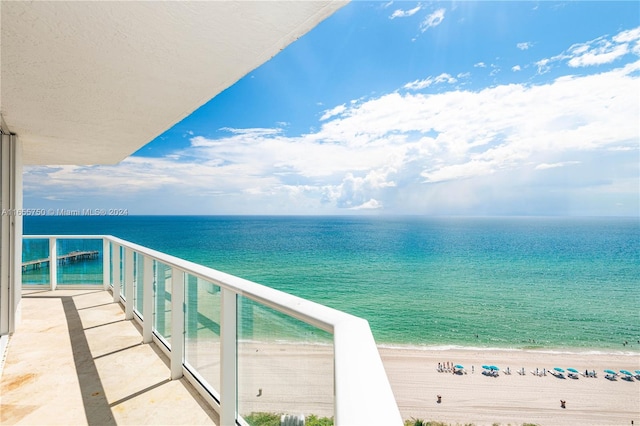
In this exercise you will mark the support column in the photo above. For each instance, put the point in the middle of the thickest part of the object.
(5, 233)
(10, 231)
(229, 357)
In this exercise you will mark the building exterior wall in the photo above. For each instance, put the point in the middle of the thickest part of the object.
(10, 231)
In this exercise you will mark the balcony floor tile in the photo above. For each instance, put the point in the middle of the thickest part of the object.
(74, 359)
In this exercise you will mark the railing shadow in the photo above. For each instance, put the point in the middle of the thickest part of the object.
(96, 407)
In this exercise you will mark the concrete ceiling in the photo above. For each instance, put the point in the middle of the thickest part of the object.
(91, 82)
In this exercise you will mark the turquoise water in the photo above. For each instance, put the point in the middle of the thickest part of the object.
(543, 283)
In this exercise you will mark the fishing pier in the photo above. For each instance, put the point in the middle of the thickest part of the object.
(74, 256)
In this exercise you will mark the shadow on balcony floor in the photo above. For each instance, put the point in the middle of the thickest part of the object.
(75, 360)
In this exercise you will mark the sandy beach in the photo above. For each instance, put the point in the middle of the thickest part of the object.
(266, 371)
(513, 399)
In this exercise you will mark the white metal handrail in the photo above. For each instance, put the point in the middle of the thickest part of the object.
(363, 394)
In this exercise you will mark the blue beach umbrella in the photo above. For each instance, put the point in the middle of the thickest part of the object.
(611, 372)
(573, 370)
(637, 371)
(493, 368)
(626, 373)
(486, 367)
(458, 366)
(558, 369)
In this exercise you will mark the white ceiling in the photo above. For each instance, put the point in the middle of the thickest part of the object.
(91, 82)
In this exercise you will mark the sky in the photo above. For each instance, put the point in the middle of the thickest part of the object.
(472, 108)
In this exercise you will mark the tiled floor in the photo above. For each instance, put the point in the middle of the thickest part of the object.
(75, 360)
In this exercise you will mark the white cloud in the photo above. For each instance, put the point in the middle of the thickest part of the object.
(399, 13)
(599, 51)
(603, 53)
(445, 78)
(627, 36)
(516, 68)
(480, 65)
(372, 204)
(524, 46)
(545, 166)
(333, 112)
(419, 84)
(543, 65)
(356, 192)
(254, 132)
(423, 84)
(432, 20)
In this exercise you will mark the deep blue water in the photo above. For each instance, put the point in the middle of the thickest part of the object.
(489, 282)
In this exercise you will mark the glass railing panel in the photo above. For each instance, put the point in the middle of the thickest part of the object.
(285, 366)
(162, 314)
(138, 260)
(117, 268)
(79, 261)
(202, 330)
(112, 272)
(35, 261)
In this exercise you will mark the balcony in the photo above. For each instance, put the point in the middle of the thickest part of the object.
(232, 348)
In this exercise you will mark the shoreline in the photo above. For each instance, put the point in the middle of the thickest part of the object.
(444, 348)
(551, 351)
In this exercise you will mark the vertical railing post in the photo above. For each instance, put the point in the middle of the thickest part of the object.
(147, 300)
(177, 322)
(53, 262)
(106, 264)
(128, 286)
(228, 355)
(116, 273)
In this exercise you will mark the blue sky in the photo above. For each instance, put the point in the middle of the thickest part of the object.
(436, 108)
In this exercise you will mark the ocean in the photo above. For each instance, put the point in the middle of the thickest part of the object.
(510, 283)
